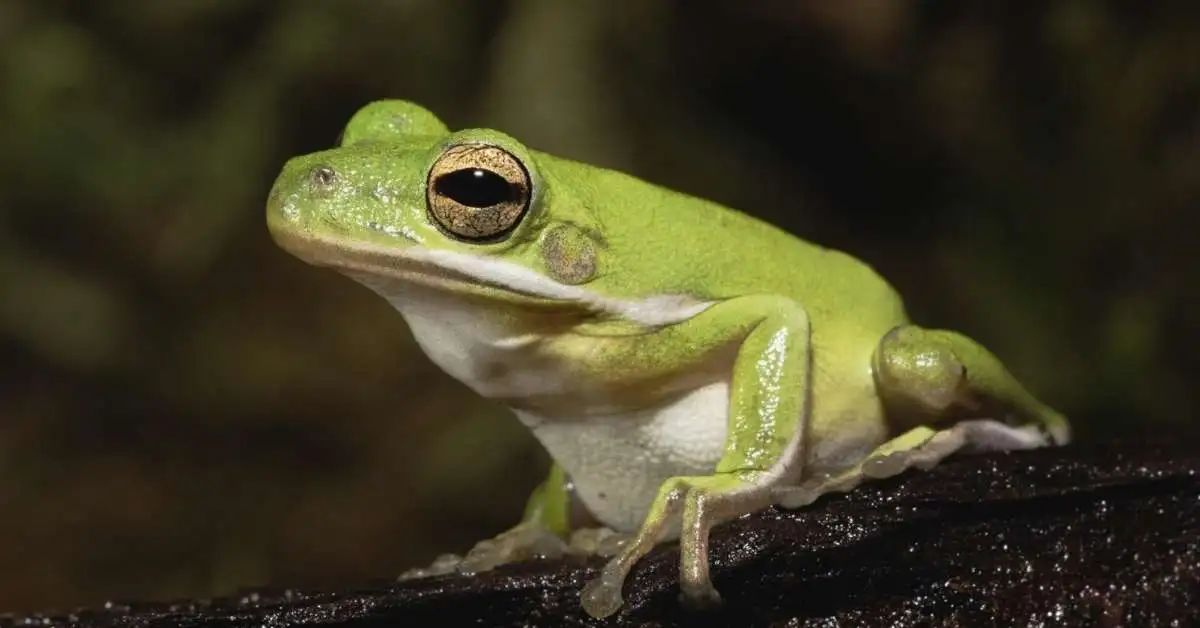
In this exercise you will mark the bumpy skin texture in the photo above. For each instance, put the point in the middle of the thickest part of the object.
(682, 362)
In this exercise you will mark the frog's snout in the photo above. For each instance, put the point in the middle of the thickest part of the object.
(279, 210)
(296, 187)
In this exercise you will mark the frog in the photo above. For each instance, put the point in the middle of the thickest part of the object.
(683, 363)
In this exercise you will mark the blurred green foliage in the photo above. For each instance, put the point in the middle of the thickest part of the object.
(185, 410)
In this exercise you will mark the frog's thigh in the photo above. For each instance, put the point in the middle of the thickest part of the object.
(927, 376)
(921, 448)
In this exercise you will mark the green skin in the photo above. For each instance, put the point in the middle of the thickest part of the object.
(641, 296)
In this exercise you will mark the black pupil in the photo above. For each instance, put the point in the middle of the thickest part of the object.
(475, 187)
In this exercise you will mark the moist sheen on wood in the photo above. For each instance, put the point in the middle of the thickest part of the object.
(1088, 535)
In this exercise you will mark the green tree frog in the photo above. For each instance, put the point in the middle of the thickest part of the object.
(683, 363)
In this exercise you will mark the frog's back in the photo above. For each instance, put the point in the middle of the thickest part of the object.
(751, 256)
(688, 244)
(839, 290)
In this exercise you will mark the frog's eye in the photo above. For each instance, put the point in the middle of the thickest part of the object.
(478, 192)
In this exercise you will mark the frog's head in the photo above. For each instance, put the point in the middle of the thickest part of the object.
(404, 201)
(403, 198)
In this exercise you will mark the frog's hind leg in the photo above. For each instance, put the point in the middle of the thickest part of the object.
(952, 395)
(552, 512)
(937, 378)
(919, 448)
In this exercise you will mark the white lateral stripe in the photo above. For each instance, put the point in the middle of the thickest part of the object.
(652, 311)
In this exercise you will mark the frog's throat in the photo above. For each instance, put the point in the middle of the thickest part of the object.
(453, 270)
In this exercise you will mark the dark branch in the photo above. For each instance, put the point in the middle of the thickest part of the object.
(1090, 535)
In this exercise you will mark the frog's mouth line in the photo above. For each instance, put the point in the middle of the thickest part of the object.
(482, 277)
(412, 264)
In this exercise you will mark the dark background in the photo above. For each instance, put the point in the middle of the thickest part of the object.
(184, 409)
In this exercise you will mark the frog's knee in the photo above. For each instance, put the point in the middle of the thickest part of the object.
(913, 368)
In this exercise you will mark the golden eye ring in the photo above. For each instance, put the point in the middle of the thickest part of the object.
(478, 192)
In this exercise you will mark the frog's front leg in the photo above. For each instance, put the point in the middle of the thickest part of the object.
(768, 407)
(932, 378)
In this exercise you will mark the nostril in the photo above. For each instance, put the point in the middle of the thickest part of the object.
(324, 177)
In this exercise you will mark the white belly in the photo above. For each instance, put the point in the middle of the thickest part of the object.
(618, 463)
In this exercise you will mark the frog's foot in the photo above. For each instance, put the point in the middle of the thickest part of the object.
(525, 541)
(444, 564)
(697, 503)
(597, 542)
(920, 448)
